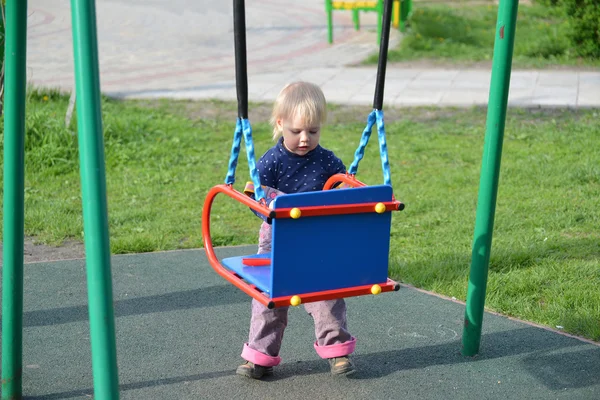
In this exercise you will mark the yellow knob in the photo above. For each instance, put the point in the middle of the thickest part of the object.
(375, 289)
(295, 213)
(380, 208)
(295, 301)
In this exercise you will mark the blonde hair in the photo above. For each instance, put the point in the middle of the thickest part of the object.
(299, 98)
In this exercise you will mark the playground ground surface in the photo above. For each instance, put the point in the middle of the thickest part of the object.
(180, 329)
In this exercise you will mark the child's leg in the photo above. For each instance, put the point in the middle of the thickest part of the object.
(266, 334)
(333, 338)
(264, 238)
(266, 326)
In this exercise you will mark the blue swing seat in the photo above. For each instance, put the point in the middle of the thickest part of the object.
(326, 252)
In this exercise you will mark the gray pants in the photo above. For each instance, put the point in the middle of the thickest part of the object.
(268, 325)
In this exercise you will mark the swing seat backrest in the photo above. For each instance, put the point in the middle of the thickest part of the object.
(329, 252)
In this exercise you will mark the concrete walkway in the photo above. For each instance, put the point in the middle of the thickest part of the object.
(410, 87)
(184, 50)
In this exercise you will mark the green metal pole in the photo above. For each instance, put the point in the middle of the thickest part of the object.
(490, 171)
(93, 186)
(329, 11)
(380, 20)
(356, 19)
(405, 10)
(14, 182)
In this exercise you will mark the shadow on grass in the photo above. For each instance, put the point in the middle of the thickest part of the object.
(450, 266)
(575, 248)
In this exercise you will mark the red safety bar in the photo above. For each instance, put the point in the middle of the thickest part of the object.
(346, 178)
(389, 286)
(352, 181)
(256, 262)
(231, 277)
(312, 211)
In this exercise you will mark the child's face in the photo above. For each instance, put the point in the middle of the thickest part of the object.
(298, 136)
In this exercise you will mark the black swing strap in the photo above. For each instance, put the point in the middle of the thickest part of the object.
(243, 127)
(376, 116)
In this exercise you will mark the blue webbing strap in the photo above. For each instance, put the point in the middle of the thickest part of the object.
(259, 193)
(242, 126)
(235, 152)
(360, 151)
(383, 152)
(376, 116)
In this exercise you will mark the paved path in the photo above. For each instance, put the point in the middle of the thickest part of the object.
(412, 87)
(182, 49)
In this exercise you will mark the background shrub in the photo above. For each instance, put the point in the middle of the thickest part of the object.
(584, 21)
(584, 16)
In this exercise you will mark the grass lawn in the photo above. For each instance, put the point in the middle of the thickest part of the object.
(163, 156)
(463, 33)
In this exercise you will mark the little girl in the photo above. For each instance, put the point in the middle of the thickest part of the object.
(297, 163)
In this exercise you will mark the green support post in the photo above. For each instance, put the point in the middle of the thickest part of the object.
(93, 186)
(356, 19)
(329, 11)
(490, 172)
(14, 195)
(380, 20)
(405, 13)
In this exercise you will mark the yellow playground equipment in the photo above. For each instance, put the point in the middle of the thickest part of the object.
(402, 10)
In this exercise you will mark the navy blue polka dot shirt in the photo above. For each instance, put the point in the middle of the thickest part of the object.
(283, 170)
